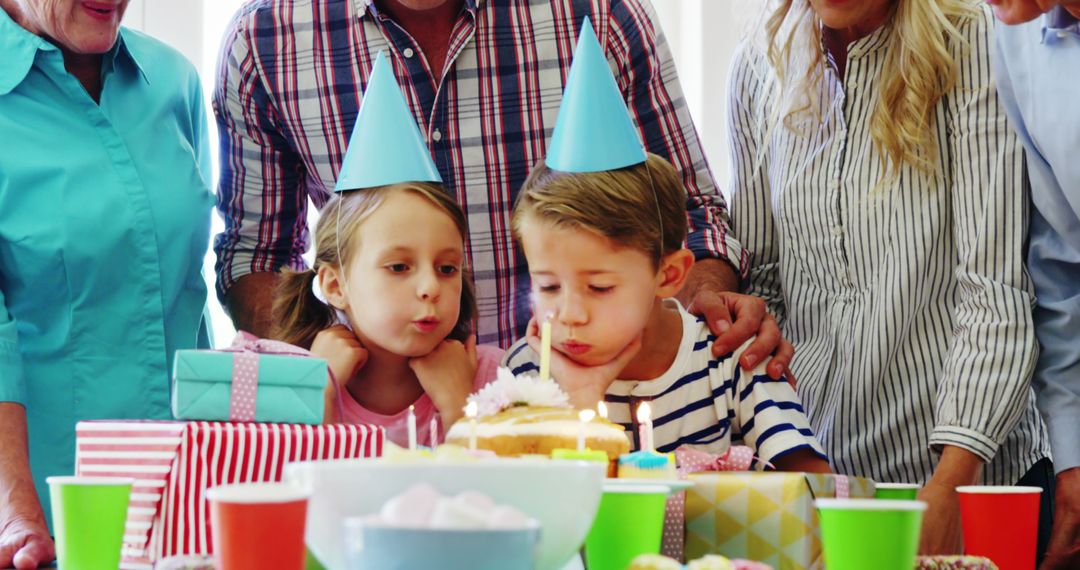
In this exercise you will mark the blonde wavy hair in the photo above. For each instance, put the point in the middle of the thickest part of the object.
(919, 70)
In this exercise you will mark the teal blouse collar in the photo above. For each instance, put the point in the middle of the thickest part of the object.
(20, 47)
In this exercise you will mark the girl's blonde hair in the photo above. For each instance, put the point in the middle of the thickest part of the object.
(919, 70)
(642, 207)
(298, 315)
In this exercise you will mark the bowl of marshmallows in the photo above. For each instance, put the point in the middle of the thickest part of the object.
(422, 528)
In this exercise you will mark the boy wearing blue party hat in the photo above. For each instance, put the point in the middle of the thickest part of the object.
(603, 225)
(388, 302)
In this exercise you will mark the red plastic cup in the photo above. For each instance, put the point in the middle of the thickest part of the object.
(256, 526)
(1002, 524)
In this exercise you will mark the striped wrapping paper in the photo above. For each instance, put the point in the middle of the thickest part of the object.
(173, 463)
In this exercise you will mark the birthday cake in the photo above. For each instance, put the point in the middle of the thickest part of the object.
(524, 415)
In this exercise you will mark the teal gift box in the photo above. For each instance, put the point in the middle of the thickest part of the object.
(254, 380)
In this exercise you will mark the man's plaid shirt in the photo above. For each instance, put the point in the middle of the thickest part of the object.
(290, 83)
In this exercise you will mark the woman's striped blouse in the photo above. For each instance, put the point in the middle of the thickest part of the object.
(908, 303)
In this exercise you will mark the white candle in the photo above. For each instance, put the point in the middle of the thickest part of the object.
(644, 418)
(601, 409)
(471, 410)
(433, 432)
(545, 349)
(585, 416)
(411, 419)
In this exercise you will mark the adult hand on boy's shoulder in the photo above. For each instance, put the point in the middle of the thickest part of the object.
(735, 318)
(343, 352)
(585, 385)
(447, 375)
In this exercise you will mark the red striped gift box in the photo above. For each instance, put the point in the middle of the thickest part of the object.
(173, 463)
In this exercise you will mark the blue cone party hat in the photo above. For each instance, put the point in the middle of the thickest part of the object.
(386, 146)
(594, 131)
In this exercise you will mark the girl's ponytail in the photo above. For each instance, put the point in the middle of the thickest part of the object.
(298, 315)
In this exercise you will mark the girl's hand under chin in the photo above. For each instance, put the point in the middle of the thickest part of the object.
(447, 375)
(345, 355)
(586, 385)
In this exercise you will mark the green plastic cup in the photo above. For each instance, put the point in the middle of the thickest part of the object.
(897, 491)
(629, 522)
(89, 514)
(859, 534)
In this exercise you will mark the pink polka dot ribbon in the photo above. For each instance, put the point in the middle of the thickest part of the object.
(690, 460)
(245, 387)
(843, 487)
(245, 373)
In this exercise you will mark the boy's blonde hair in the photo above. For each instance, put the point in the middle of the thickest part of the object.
(642, 207)
(298, 315)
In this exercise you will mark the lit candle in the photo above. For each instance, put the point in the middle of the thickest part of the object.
(411, 419)
(585, 416)
(433, 432)
(471, 410)
(601, 408)
(644, 418)
(545, 349)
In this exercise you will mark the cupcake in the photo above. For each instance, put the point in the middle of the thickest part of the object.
(654, 562)
(647, 465)
(954, 563)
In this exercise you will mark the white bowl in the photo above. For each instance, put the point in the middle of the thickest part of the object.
(562, 495)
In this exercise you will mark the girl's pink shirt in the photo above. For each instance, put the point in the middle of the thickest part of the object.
(396, 426)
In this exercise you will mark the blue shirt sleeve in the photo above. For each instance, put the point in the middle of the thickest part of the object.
(1053, 258)
(1055, 268)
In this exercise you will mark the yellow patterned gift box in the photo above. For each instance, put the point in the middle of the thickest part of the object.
(768, 517)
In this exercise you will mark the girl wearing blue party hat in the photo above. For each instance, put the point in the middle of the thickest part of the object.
(603, 226)
(388, 302)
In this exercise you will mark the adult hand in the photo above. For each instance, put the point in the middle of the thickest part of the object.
(1063, 552)
(941, 531)
(447, 375)
(585, 385)
(250, 302)
(24, 540)
(735, 318)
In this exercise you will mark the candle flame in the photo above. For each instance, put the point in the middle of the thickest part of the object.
(472, 409)
(586, 416)
(602, 409)
(644, 413)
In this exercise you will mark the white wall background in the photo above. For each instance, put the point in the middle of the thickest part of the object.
(702, 35)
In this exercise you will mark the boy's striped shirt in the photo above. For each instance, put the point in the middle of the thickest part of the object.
(704, 401)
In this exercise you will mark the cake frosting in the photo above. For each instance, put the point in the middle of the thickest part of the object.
(524, 415)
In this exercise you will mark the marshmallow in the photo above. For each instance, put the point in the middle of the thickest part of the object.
(476, 499)
(423, 507)
(458, 514)
(506, 517)
(414, 508)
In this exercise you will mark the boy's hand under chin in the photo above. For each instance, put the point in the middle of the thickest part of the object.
(586, 385)
(447, 375)
(345, 356)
